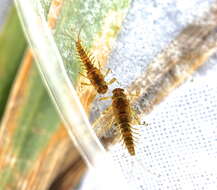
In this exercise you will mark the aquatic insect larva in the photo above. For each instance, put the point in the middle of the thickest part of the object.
(94, 74)
(124, 116)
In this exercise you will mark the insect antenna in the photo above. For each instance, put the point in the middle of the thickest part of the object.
(79, 32)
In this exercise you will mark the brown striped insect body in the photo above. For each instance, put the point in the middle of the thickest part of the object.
(95, 76)
(123, 116)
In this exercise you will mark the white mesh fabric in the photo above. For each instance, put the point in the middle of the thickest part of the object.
(180, 143)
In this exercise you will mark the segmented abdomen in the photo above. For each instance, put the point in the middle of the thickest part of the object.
(127, 137)
(93, 74)
(84, 56)
(121, 109)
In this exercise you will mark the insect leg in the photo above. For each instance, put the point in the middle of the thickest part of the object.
(93, 59)
(83, 75)
(87, 84)
(135, 95)
(105, 98)
(136, 118)
(99, 65)
(112, 81)
(107, 72)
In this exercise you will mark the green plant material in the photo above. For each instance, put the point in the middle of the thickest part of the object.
(27, 127)
(37, 122)
(10, 55)
(99, 21)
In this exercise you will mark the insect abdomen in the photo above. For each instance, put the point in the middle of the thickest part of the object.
(127, 137)
(84, 56)
(121, 109)
(93, 74)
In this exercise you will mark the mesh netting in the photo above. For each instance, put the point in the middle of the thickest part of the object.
(180, 142)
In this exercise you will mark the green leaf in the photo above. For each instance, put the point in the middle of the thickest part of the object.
(32, 124)
(37, 122)
(12, 46)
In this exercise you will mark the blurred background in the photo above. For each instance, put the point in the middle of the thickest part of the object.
(169, 44)
(30, 139)
(5, 4)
